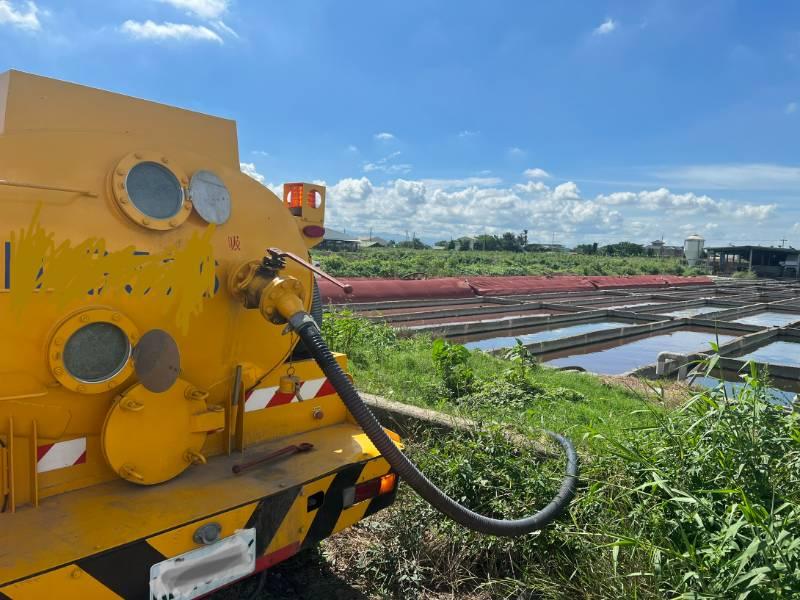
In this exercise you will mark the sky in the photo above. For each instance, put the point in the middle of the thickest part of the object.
(583, 121)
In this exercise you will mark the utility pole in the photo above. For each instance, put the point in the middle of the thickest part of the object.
(783, 242)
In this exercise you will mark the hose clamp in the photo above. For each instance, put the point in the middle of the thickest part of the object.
(300, 320)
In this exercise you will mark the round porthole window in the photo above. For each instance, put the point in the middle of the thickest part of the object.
(154, 190)
(96, 352)
(150, 189)
(91, 351)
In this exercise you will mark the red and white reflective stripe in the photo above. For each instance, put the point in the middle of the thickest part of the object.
(61, 454)
(269, 397)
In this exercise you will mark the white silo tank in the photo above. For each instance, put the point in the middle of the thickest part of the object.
(693, 249)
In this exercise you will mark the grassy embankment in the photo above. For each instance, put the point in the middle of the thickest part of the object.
(392, 262)
(697, 502)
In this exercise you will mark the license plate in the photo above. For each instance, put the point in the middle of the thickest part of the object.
(205, 569)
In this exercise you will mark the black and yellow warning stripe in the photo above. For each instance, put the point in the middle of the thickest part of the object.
(285, 523)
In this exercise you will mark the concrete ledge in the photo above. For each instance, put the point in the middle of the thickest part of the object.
(404, 419)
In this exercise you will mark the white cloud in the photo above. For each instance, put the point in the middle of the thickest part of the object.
(689, 203)
(221, 26)
(605, 27)
(150, 30)
(386, 165)
(27, 20)
(384, 136)
(516, 152)
(753, 176)
(791, 108)
(391, 169)
(263, 153)
(757, 212)
(464, 182)
(204, 9)
(467, 133)
(250, 170)
(567, 191)
(536, 173)
(352, 148)
(437, 208)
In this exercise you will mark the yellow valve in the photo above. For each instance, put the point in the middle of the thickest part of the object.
(282, 298)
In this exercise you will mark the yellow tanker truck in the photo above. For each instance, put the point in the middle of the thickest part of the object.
(171, 420)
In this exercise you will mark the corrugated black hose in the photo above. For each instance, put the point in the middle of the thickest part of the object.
(309, 333)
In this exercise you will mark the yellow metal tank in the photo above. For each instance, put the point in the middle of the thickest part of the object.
(132, 377)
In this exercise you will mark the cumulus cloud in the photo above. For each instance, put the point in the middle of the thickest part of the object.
(516, 152)
(605, 27)
(536, 173)
(757, 212)
(250, 170)
(668, 202)
(384, 136)
(791, 108)
(467, 133)
(21, 18)
(204, 9)
(150, 30)
(439, 208)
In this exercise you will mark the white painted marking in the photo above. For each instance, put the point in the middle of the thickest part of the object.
(61, 455)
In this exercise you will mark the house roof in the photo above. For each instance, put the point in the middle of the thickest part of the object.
(748, 248)
(338, 236)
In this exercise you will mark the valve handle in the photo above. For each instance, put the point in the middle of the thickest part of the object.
(348, 289)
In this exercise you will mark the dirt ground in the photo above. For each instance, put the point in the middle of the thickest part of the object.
(305, 576)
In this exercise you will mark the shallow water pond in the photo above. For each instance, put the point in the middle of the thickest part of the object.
(627, 356)
(486, 343)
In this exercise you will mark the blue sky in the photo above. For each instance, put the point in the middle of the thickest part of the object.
(590, 121)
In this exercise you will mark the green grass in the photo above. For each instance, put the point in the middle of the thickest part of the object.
(403, 369)
(392, 262)
(698, 502)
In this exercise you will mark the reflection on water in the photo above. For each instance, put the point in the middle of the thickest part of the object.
(776, 353)
(769, 318)
(692, 312)
(632, 355)
(508, 341)
(778, 396)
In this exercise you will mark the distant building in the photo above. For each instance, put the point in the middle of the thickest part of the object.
(373, 242)
(765, 261)
(660, 249)
(338, 240)
(546, 248)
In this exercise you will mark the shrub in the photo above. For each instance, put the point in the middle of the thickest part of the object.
(705, 503)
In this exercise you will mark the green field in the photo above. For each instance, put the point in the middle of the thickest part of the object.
(392, 262)
(695, 497)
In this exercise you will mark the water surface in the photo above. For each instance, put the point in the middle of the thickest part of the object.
(769, 318)
(692, 312)
(507, 341)
(774, 394)
(628, 356)
(776, 353)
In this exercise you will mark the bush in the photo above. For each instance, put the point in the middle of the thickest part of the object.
(703, 504)
(745, 275)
